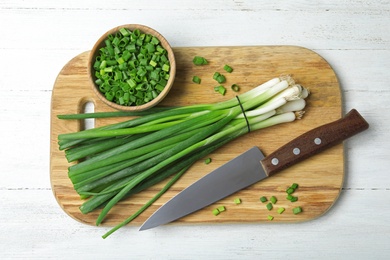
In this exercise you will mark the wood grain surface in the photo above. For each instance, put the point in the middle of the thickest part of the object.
(320, 177)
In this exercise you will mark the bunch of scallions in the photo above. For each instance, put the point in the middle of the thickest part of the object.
(118, 160)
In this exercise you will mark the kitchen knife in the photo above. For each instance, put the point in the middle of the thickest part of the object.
(251, 167)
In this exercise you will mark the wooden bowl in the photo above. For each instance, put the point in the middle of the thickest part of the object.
(101, 43)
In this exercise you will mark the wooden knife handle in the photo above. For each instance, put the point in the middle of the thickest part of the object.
(314, 141)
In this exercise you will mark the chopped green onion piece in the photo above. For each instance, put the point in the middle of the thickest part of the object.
(237, 201)
(297, 210)
(207, 161)
(150, 48)
(273, 199)
(165, 67)
(221, 208)
(218, 210)
(153, 63)
(228, 69)
(235, 88)
(281, 210)
(131, 83)
(263, 199)
(160, 49)
(120, 60)
(270, 217)
(291, 198)
(215, 212)
(196, 80)
(103, 64)
(159, 87)
(198, 60)
(220, 89)
(216, 75)
(131, 48)
(124, 31)
(290, 190)
(108, 69)
(269, 206)
(155, 41)
(221, 79)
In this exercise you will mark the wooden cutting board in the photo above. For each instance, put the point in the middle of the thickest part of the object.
(320, 177)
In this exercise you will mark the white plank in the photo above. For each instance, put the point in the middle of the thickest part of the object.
(215, 23)
(43, 230)
(345, 6)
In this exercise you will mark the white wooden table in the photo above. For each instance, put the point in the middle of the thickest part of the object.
(39, 37)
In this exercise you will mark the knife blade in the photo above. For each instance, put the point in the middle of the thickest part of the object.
(252, 166)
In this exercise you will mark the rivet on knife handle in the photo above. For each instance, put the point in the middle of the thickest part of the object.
(314, 141)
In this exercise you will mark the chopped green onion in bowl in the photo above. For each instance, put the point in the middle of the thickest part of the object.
(132, 67)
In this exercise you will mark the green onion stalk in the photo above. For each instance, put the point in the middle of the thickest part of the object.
(118, 160)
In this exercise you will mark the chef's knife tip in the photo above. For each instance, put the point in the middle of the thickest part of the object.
(147, 225)
(142, 228)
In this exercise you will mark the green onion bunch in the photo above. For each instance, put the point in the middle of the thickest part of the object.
(118, 160)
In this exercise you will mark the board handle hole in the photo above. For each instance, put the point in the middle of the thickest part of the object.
(88, 123)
